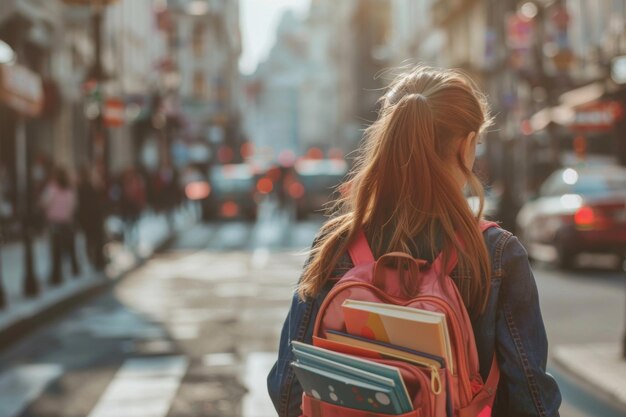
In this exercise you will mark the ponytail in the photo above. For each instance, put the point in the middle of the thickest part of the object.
(402, 185)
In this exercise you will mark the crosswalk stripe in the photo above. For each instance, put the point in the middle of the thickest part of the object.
(19, 386)
(257, 402)
(143, 387)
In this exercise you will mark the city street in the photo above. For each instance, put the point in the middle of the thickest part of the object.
(193, 331)
(163, 164)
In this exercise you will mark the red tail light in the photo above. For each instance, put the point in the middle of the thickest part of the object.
(265, 186)
(230, 209)
(296, 190)
(197, 190)
(585, 217)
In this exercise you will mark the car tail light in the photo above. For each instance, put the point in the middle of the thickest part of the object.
(265, 186)
(592, 218)
(230, 209)
(585, 217)
(296, 190)
(197, 190)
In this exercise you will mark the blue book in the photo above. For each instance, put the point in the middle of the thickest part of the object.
(351, 366)
(356, 374)
(343, 391)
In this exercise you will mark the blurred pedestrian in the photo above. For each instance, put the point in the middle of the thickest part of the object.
(166, 190)
(58, 201)
(132, 204)
(90, 215)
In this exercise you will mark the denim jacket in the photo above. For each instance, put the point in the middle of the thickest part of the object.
(511, 325)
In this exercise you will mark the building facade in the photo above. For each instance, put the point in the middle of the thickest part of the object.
(205, 45)
(28, 102)
(319, 86)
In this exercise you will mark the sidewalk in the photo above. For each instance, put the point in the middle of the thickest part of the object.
(600, 365)
(153, 231)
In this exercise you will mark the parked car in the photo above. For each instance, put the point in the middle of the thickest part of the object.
(315, 184)
(232, 192)
(577, 210)
(490, 205)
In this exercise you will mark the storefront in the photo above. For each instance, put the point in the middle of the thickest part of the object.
(21, 98)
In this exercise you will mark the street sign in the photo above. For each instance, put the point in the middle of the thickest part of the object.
(597, 116)
(114, 112)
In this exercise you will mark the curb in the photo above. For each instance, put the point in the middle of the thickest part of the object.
(598, 366)
(15, 331)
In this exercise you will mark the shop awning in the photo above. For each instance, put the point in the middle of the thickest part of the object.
(21, 89)
(561, 115)
(572, 105)
(583, 95)
(45, 18)
(49, 11)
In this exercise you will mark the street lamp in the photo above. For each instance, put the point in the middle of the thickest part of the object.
(97, 75)
(7, 56)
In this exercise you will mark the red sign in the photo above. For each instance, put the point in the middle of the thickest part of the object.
(597, 116)
(560, 17)
(519, 32)
(114, 113)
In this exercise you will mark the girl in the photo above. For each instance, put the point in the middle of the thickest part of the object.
(406, 193)
(59, 203)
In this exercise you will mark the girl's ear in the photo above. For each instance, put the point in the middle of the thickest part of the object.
(467, 149)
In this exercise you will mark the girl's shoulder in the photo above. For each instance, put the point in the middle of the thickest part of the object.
(497, 241)
(496, 237)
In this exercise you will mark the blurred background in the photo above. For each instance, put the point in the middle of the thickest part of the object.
(164, 164)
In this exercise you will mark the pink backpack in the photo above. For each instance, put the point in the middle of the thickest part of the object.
(434, 393)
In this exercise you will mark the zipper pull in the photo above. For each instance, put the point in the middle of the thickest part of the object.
(435, 381)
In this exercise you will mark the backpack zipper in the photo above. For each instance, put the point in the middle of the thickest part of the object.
(420, 376)
(463, 376)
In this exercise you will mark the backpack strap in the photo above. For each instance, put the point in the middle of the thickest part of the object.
(437, 263)
(360, 251)
(485, 224)
(482, 403)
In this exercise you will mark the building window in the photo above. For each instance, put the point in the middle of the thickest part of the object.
(199, 85)
(197, 41)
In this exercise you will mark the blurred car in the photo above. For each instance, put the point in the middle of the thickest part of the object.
(232, 192)
(490, 205)
(194, 183)
(577, 210)
(314, 184)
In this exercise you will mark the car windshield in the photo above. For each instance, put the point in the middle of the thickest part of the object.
(232, 178)
(571, 182)
(597, 184)
(321, 175)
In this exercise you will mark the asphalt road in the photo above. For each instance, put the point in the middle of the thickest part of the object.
(194, 331)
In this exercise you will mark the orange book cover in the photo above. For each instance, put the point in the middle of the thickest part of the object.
(412, 328)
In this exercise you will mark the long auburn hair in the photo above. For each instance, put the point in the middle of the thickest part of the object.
(402, 185)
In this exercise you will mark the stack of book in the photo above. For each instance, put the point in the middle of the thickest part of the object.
(337, 370)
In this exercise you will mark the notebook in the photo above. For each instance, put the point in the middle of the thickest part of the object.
(408, 327)
(386, 349)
